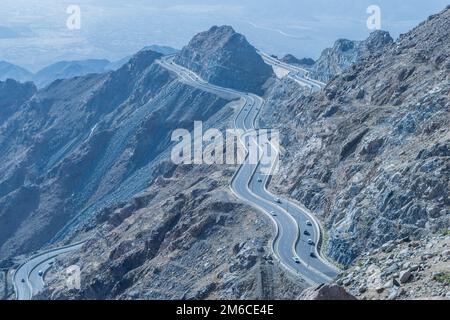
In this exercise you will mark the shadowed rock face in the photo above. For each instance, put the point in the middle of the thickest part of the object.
(12, 95)
(345, 53)
(306, 62)
(224, 57)
(370, 153)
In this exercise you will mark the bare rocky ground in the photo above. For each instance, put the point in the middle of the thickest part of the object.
(402, 270)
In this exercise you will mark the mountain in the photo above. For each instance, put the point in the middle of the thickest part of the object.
(419, 271)
(85, 156)
(12, 95)
(225, 58)
(69, 69)
(90, 157)
(164, 50)
(345, 53)
(11, 71)
(370, 154)
(75, 142)
(305, 62)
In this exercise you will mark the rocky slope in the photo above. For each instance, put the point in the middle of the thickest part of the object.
(12, 95)
(370, 153)
(224, 57)
(403, 270)
(326, 292)
(87, 142)
(70, 69)
(304, 62)
(344, 53)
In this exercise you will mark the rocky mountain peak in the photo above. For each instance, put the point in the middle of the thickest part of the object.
(378, 40)
(141, 60)
(344, 45)
(291, 59)
(344, 53)
(224, 57)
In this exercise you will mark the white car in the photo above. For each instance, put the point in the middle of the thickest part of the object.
(40, 273)
(308, 223)
(278, 200)
(273, 213)
(296, 260)
(310, 242)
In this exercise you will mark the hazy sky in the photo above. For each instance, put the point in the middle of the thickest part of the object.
(34, 33)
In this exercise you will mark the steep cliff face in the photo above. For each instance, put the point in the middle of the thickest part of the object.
(88, 142)
(344, 53)
(224, 57)
(370, 153)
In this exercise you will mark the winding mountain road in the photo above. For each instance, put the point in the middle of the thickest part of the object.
(298, 234)
(290, 244)
(296, 73)
(28, 279)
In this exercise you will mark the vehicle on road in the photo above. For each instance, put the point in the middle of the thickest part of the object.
(306, 233)
(296, 260)
(259, 180)
(308, 223)
(312, 255)
(310, 242)
(22, 280)
(273, 213)
(278, 200)
(40, 273)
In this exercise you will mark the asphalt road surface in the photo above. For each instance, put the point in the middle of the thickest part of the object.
(28, 279)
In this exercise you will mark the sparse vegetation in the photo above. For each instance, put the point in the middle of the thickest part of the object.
(443, 278)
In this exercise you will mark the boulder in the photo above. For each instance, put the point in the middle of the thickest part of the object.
(326, 292)
(405, 276)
